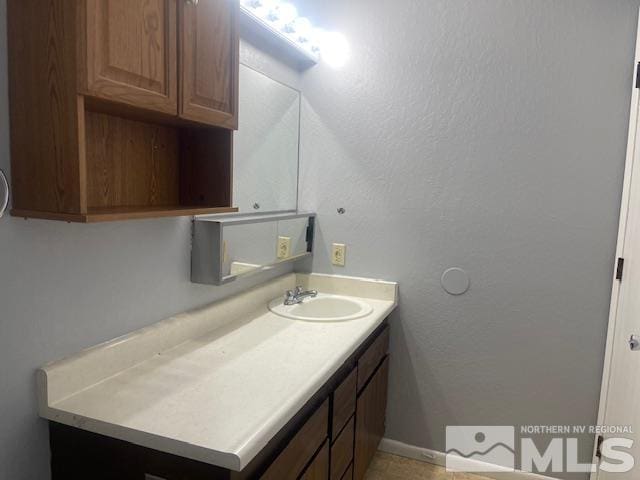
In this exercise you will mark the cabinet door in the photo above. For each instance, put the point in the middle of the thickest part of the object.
(130, 53)
(209, 61)
(370, 420)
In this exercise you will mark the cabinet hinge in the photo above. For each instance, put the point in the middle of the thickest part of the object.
(620, 269)
(599, 446)
(638, 76)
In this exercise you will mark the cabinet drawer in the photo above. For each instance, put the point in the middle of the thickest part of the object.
(319, 468)
(348, 475)
(344, 403)
(300, 450)
(342, 451)
(372, 357)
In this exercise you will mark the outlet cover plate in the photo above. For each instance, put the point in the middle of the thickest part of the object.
(284, 247)
(338, 254)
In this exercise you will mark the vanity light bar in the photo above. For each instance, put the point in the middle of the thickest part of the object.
(283, 20)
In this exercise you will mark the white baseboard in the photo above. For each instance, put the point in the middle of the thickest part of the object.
(438, 458)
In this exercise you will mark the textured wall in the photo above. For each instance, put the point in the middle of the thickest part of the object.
(64, 287)
(490, 135)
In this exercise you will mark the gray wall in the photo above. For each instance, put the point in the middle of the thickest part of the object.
(490, 135)
(65, 287)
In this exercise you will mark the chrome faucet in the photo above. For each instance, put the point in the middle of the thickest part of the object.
(293, 297)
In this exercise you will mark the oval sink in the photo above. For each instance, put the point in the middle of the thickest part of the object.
(323, 308)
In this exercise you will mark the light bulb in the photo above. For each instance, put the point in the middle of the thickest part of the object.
(303, 30)
(284, 14)
(315, 37)
(267, 8)
(334, 49)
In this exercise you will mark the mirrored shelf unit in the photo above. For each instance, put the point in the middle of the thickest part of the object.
(227, 247)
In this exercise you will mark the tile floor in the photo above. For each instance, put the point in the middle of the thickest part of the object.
(391, 467)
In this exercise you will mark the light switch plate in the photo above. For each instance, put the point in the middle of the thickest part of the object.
(338, 254)
(284, 247)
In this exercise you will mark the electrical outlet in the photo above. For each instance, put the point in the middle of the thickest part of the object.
(284, 247)
(338, 253)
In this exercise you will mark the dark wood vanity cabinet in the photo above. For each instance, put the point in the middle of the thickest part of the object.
(333, 437)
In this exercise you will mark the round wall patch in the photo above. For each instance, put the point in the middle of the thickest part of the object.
(455, 281)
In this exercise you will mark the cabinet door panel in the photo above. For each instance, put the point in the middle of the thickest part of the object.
(130, 52)
(209, 45)
(370, 420)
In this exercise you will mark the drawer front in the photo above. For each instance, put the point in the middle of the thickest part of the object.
(348, 475)
(372, 357)
(319, 468)
(344, 403)
(299, 452)
(342, 451)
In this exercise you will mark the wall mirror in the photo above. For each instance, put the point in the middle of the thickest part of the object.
(265, 177)
(231, 246)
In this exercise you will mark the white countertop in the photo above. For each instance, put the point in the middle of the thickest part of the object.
(221, 393)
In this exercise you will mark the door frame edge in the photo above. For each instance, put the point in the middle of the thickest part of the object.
(633, 139)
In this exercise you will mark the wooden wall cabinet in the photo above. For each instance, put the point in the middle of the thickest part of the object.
(109, 118)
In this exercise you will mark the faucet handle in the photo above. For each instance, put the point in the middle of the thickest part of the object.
(290, 297)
